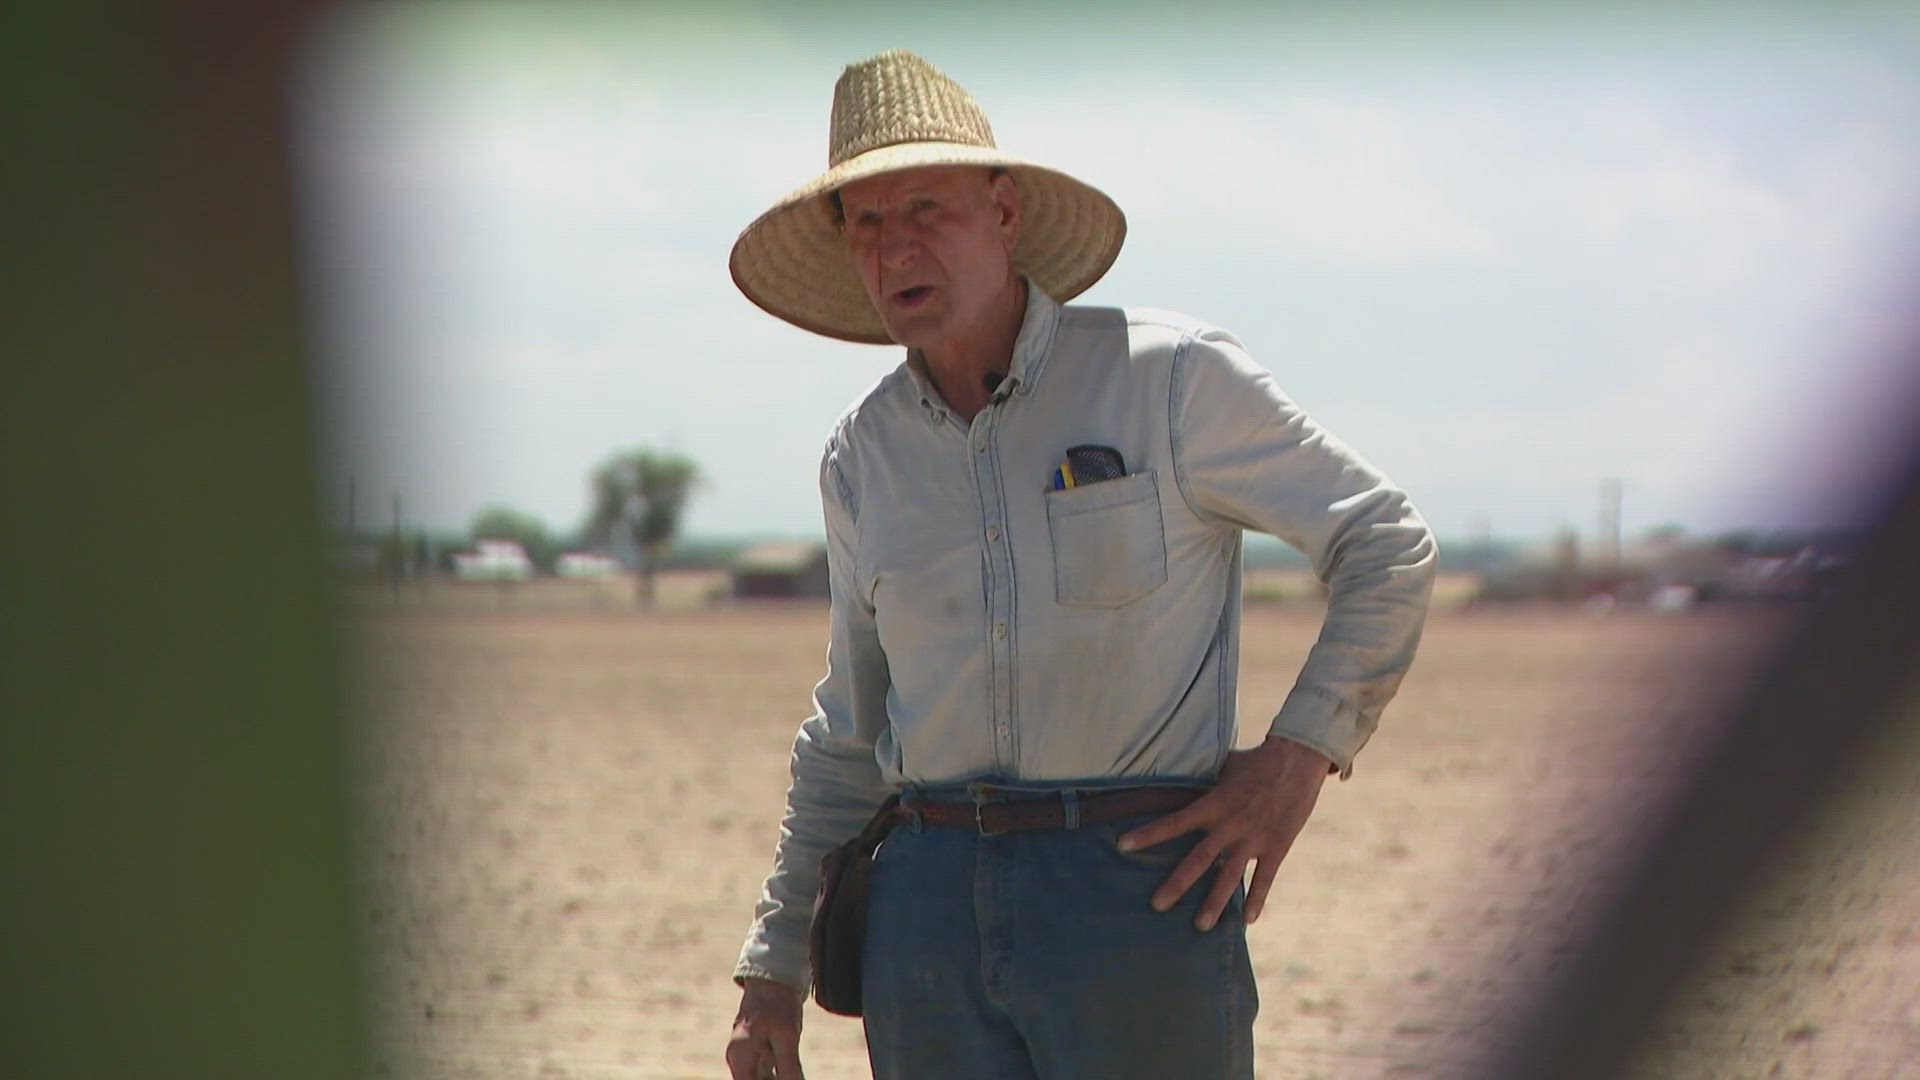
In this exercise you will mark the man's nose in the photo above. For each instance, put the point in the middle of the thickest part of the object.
(897, 245)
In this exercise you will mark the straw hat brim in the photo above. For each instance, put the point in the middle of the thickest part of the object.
(793, 262)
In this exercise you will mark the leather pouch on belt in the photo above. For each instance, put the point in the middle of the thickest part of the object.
(840, 915)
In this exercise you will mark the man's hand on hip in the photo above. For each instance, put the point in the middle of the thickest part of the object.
(1256, 808)
(766, 1033)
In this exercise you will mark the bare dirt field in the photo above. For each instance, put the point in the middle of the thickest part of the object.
(569, 816)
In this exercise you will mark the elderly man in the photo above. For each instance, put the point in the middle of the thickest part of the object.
(1034, 528)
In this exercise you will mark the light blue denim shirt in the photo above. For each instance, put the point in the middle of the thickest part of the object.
(984, 624)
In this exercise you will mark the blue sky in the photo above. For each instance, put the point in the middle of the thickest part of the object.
(1504, 252)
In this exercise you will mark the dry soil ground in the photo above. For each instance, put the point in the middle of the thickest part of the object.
(569, 814)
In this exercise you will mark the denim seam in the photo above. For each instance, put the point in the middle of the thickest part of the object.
(1231, 1014)
(1175, 381)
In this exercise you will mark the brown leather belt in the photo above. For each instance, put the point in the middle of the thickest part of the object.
(1050, 811)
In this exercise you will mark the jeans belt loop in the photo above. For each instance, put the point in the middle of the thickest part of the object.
(1071, 807)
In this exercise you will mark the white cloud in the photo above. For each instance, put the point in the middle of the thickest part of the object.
(1859, 188)
(1320, 174)
(1710, 224)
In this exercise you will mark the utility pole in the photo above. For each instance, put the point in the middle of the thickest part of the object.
(1609, 538)
(399, 548)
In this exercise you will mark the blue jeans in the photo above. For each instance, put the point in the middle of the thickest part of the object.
(1037, 956)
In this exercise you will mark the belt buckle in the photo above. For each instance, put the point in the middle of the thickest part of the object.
(980, 822)
(979, 806)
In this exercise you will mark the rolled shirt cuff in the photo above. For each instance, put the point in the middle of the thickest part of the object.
(1319, 719)
(800, 981)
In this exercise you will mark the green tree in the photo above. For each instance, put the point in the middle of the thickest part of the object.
(506, 523)
(639, 495)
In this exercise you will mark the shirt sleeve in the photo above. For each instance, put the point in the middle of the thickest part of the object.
(836, 784)
(1247, 457)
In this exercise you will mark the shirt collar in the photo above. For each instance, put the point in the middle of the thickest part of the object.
(930, 401)
(1035, 342)
(1031, 347)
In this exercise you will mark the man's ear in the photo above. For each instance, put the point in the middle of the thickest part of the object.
(1006, 198)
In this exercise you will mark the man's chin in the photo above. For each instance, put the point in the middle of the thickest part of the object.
(912, 333)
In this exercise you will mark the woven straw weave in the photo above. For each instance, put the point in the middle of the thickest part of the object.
(897, 112)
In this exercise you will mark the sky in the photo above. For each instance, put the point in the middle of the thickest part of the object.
(1504, 252)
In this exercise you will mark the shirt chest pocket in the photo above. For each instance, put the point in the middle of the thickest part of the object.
(1109, 545)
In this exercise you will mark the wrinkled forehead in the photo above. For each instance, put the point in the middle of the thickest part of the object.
(907, 183)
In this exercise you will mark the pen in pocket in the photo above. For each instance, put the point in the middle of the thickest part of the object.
(1063, 476)
(1088, 464)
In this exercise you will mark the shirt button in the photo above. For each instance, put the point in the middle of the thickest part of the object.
(1000, 630)
(993, 534)
(980, 444)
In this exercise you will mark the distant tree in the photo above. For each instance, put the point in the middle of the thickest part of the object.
(639, 495)
(506, 523)
(1739, 543)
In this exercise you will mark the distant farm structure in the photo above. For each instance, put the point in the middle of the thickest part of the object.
(583, 564)
(783, 571)
(1672, 571)
(493, 560)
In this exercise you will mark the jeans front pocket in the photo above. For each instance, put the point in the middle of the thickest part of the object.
(1109, 545)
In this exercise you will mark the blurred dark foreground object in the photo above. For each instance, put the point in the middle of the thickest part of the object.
(173, 792)
(1840, 686)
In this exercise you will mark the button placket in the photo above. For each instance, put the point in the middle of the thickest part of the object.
(999, 586)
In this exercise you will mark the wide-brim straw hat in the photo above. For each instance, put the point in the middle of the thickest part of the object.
(892, 113)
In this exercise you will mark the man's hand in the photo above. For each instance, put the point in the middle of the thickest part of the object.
(766, 1033)
(1256, 808)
